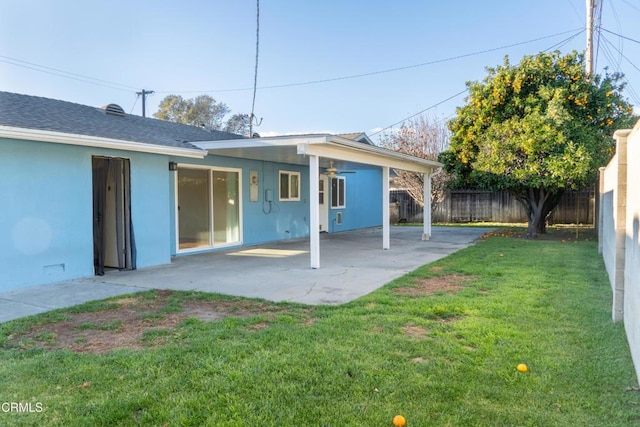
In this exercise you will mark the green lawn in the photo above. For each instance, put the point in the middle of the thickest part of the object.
(439, 346)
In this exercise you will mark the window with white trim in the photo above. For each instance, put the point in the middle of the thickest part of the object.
(289, 186)
(338, 192)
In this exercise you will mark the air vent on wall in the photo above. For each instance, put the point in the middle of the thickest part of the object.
(114, 110)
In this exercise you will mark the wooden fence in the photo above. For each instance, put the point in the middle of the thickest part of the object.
(575, 207)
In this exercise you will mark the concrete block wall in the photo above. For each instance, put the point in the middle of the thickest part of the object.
(618, 231)
(607, 232)
(632, 247)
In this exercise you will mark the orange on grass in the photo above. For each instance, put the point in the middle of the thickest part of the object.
(399, 421)
(522, 368)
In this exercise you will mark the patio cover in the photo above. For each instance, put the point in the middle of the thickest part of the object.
(317, 151)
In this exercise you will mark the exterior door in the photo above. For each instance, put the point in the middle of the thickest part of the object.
(324, 203)
(208, 208)
(113, 243)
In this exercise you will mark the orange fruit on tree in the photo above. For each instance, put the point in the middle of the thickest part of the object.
(399, 421)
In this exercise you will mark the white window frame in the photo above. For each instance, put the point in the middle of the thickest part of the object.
(344, 192)
(211, 245)
(288, 197)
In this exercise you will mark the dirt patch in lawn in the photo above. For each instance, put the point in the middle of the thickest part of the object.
(448, 284)
(141, 321)
(415, 331)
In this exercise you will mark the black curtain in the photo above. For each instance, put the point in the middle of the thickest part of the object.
(129, 255)
(117, 173)
(100, 174)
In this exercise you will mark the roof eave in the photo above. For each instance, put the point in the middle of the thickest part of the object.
(97, 142)
(386, 153)
(330, 146)
(268, 141)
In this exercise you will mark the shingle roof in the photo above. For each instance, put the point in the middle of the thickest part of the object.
(357, 136)
(350, 135)
(33, 112)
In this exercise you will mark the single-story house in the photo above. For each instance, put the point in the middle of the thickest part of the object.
(87, 189)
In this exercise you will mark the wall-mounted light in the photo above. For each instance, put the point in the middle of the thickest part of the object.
(173, 166)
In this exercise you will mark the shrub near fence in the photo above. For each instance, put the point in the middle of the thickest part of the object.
(575, 207)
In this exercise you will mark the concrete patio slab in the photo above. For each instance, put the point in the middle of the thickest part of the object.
(352, 264)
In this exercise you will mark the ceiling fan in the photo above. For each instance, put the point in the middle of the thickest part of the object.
(332, 172)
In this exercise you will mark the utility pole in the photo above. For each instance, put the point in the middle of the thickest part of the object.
(144, 94)
(255, 75)
(591, 7)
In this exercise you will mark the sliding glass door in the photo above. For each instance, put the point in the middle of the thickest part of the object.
(226, 212)
(208, 204)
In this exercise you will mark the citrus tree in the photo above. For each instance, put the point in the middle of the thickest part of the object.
(537, 128)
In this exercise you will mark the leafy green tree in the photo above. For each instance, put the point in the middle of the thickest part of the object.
(238, 124)
(202, 111)
(536, 129)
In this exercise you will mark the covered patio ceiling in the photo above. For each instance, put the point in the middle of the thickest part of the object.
(296, 149)
(320, 151)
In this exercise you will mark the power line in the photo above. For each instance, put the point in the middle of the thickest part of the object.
(632, 93)
(599, 7)
(631, 5)
(621, 36)
(618, 27)
(612, 61)
(561, 43)
(135, 102)
(588, 51)
(420, 112)
(609, 55)
(565, 41)
(373, 73)
(580, 17)
(65, 74)
(621, 54)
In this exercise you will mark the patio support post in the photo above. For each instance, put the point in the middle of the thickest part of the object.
(385, 208)
(426, 216)
(314, 210)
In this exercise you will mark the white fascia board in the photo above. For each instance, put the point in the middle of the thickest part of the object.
(372, 155)
(273, 141)
(97, 142)
(384, 151)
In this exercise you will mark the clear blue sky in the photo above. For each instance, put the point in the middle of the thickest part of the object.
(193, 47)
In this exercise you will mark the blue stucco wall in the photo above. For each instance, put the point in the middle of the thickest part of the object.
(150, 211)
(46, 225)
(262, 221)
(281, 220)
(363, 203)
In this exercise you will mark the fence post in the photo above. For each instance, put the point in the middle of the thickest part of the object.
(620, 221)
(597, 216)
